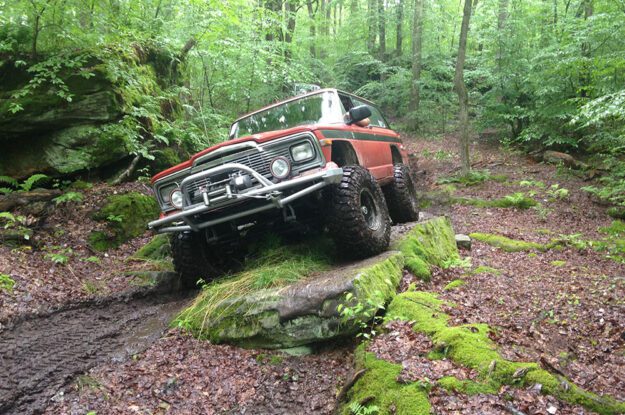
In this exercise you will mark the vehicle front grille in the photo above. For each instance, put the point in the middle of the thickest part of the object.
(257, 160)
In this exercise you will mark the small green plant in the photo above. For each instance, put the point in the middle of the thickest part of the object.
(57, 258)
(441, 155)
(6, 283)
(115, 218)
(543, 212)
(532, 183)
(68, 198)
(357, 409)
(363, 315)
(472, 178)
(25, 186)
(555, 192)
(16, 223)
(457, 263)
(93, 259)
(60, 256)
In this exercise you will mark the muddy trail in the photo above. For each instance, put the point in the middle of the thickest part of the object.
(40, 354)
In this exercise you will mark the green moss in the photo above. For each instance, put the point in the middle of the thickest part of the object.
(483, 269)
(516, 200)
(617, 212)
(81, 185)
(454, 284)
(507, 244)
(616, 228)
(157, 249)
(471, 346)
(467, 387)
(429, 243)
(379, 387)
(558, 263)
(126, 216)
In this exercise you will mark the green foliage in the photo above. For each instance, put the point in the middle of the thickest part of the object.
(6, 283)
(16, 223)
(507, 244)
(474, 177)
(358, 409)
(470, 345)
(25, 186)
(69, 197)
(516, 200)
(454, 284)
(126, 216)
(57, 258)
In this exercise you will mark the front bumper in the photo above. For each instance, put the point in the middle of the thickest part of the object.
(272, 192)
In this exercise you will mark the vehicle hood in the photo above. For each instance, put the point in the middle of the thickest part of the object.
(259, 138)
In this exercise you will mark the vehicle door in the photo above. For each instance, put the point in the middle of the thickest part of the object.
(372, 143)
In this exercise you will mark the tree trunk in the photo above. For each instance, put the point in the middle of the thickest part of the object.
(461, 89)
(382, 29)
(585, 75)
(417, 42)
(371, 23)
(399, 37)
(312, 28)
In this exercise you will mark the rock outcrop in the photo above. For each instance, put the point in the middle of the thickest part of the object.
(309, 311)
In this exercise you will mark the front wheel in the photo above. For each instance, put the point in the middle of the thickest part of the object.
(358, 217)
(190, 254)
(401, 196)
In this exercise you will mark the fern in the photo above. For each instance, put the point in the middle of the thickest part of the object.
(8, 180)
(8, 216)
(28, 184)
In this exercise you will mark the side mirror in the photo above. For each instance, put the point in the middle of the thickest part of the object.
(359, 113)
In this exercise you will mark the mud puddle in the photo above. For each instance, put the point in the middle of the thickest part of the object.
(39, 355)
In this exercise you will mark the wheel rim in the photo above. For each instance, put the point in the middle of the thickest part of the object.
(369, 209)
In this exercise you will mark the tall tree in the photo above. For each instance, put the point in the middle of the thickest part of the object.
(312, 27)
(399, 35)
(371, 23)
(461, 88)
(382, 29)
(417, 43)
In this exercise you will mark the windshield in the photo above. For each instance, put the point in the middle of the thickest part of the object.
(322, 108)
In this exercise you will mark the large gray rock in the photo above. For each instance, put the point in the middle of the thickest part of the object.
(308, 311)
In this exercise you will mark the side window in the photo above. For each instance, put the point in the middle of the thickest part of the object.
(376, 118)
(347, 102)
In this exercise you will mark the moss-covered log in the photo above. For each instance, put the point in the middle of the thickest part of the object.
(471, 346)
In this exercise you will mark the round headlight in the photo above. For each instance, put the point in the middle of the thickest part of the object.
(280, 168)
(176, 198)
(302, 151)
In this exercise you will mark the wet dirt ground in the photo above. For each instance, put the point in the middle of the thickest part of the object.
(40, 354)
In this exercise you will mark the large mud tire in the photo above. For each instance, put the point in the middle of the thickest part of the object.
(401, 196)
(358, 218)
(191, 260)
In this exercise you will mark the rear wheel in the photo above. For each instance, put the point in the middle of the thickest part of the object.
(401, 196)
(191, 259)
(358, 217)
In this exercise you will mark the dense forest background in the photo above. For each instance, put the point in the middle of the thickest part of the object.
(544, 74)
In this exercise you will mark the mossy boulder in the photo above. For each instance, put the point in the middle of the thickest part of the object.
(126, 217)
(84, 119)
(157, 249)
(312, 309)
(428, 243)
(301, 313)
